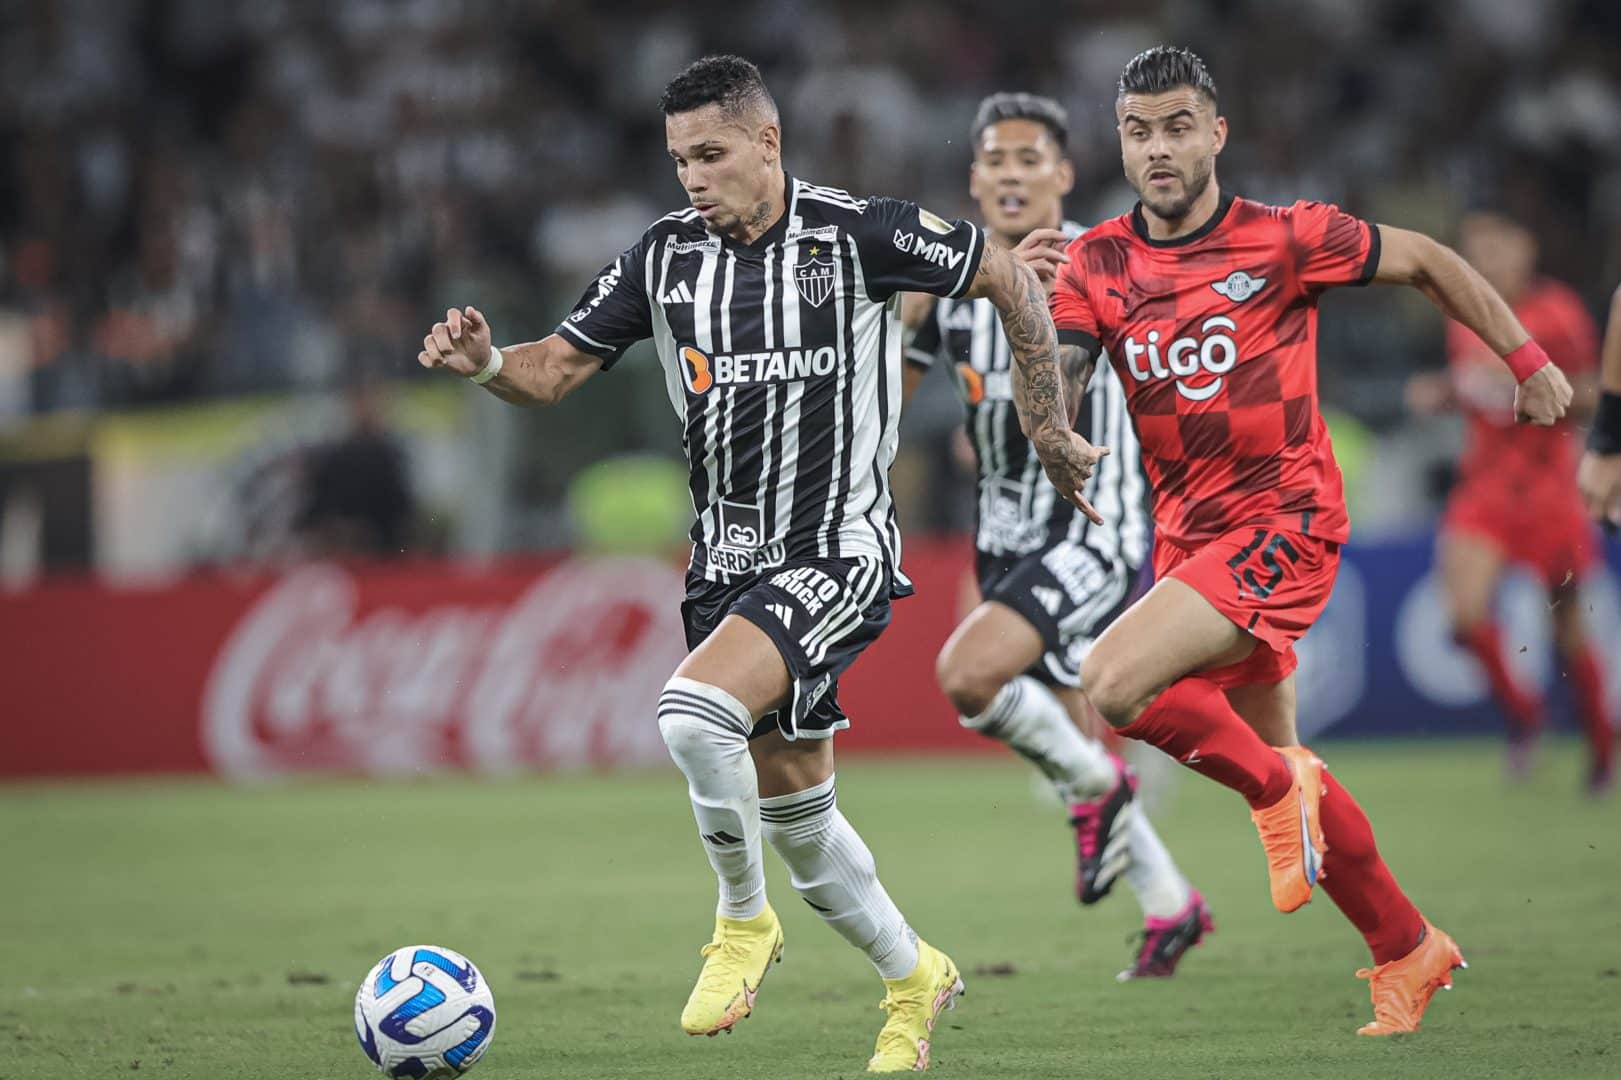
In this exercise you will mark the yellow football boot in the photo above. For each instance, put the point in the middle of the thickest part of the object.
(735, 963)
(913, 1004)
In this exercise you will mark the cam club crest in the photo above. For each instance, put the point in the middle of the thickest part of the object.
(813, 276)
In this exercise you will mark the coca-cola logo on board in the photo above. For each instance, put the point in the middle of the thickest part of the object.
(567, 673)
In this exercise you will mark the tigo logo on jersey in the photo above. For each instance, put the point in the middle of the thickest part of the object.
(782, 365)
(1216, 354)
(1239, 286)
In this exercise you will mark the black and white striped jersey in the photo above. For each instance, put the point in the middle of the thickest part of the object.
(783, 360)
(1019, 512)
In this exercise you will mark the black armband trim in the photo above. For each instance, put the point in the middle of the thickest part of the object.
(1605, 438)
(1081, 338)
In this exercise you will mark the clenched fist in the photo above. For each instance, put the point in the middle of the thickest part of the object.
(460, 344)
(1544, 397)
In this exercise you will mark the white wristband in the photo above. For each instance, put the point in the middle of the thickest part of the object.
(491, 368)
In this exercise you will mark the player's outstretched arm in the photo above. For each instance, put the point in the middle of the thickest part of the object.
(536, 373)
(1599, 476)
(1410, 258)
(1038, 384)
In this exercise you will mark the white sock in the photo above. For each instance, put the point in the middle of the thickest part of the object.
(1030, 719)
(1158, 776)
(1159, 886)
(707, 731)
(835, 873)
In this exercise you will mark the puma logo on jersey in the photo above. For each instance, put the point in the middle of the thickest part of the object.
(1187, 358)
(678, 295)
(1239, 286)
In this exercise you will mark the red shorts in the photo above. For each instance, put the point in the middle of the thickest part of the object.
(1555, 539)
(1271, 582)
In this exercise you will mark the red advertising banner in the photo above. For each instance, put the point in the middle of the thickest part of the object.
(402, 669)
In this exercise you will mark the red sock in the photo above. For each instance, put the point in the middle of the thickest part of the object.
(1357, 879)
(1193, 722)
(1524, 711)
(1590, 698)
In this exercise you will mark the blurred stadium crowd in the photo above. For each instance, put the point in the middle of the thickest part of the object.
(205, 198)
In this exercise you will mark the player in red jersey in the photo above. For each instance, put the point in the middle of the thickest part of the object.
(1516, 499)
(1207, 305)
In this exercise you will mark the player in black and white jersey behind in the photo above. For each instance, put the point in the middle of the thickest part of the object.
(773, 303)
(1049, 579)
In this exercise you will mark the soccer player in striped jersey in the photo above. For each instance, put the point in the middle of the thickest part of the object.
(1049, 579)
(772, 304)
(1207, 304)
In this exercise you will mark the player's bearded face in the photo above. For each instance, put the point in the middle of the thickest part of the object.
(1168, 144)
(726, 164)
(1019, 178)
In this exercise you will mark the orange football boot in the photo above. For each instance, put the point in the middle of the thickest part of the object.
(1402, 988)
(1291, 833)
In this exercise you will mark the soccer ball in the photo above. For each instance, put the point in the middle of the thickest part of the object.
(424, 1012)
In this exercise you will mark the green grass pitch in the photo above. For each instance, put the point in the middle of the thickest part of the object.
(182, 929)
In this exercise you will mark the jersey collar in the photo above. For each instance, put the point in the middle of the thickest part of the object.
(1140, 225)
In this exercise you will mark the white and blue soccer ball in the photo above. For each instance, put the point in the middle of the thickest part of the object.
(424, 1012)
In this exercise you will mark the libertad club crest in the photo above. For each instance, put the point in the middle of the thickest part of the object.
(813, 276)
(1239, 286)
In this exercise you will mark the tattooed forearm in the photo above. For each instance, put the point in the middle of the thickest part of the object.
(1040, 393)
(1038, 388)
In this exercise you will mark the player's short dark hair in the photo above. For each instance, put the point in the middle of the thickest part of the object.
(728, 81)
(1012, 105)
(1166, 67)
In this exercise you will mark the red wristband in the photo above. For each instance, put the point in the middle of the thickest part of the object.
(1526, 361)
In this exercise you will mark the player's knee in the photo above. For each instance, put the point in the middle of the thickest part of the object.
(701, 723)
(970, 687)
(1110, 688)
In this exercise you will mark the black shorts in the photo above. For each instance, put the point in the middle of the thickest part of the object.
(820, 613)
(1068, 592)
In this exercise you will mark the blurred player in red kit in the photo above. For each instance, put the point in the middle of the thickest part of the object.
(1516, 499)
(1207, 306)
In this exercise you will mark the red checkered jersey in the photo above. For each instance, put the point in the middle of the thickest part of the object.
(1521, 464)
(1214, 336)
